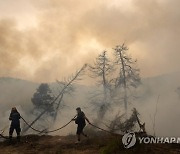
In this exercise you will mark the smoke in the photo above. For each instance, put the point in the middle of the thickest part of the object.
(70, 33)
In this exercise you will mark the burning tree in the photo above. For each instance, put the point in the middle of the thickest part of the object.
(101, 69)
(128, 75)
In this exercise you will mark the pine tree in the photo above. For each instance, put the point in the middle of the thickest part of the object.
(42, 99)
(128, 75)
(101, 69)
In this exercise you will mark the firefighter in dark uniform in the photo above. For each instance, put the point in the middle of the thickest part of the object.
(15, 123)
(80, 120)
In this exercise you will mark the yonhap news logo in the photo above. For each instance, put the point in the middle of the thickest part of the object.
(129, 140)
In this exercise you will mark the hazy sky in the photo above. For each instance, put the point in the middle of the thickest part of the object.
(44, 40)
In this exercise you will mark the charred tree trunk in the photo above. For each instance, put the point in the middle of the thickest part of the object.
(141, 126)
(124, 79)
(104, 105)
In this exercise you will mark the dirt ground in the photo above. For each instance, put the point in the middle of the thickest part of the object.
(34, 144)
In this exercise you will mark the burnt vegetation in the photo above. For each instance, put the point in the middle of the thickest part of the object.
(116, 78)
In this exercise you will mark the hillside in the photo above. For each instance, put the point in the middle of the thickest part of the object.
(106, 144)
(14, 92)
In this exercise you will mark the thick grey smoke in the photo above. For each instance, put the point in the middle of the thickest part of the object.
(70, 33)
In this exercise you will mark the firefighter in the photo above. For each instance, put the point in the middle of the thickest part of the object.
(80, 120)
(15, 123)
